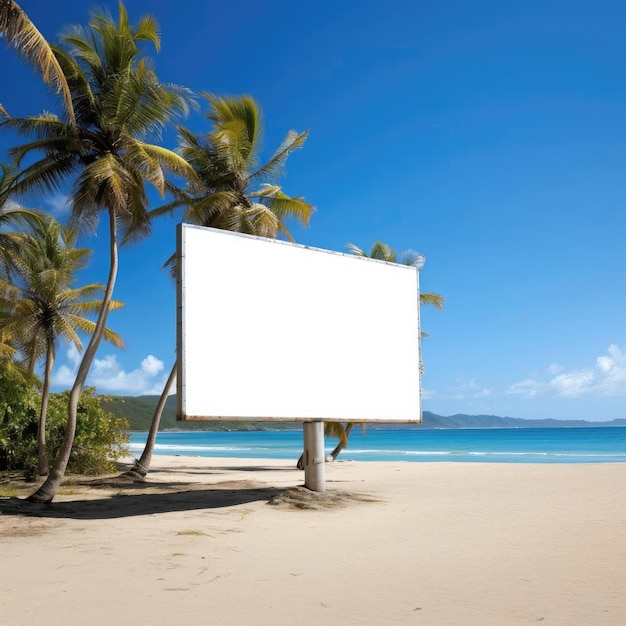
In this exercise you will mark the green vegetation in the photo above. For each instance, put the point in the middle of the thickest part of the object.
(43, 304)
(19, 410)
(139, 411)
(100, 435)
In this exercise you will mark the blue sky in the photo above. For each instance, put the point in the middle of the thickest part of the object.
(489, 136)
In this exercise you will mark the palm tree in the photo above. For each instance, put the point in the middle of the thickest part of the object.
(382, 252)
(20, 33)
(118, 103)
(7, 342)
(141, 466)
(47, 306)
(235, 193)
(12, 217)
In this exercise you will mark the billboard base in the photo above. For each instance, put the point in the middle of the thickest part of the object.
(314, 459)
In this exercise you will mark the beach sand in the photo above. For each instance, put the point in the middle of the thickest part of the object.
(390, 543)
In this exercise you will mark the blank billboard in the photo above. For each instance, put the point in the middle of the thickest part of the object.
(270, 330)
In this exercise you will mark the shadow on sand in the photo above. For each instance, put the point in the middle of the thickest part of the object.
(133, 504)
(120, 496)
(226, 469)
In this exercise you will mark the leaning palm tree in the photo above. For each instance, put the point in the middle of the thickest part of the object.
(381, 252)
(119, 104)
(20, 33)
(47, 307)
(236, 192)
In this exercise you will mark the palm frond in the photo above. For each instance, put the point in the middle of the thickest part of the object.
(169, 207)
(285, 207)
(411, 258)
(171, 162)
(336, 430)
(275, 165)
(432, 299)
(384, 252)
(20, 33)
(356, 250)
(44, 302)
(260, 220)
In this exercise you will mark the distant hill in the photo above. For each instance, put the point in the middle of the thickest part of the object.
(431, 420)
(138, 410)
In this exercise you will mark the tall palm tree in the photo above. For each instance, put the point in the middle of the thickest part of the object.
(47, 306)
(20, 33)
(235, 192)
(119, 103)
(382, 252)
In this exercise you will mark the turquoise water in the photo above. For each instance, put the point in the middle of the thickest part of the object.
(502, 445)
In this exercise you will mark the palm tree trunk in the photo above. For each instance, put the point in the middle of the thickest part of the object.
(142, 466)
(343, 442)
(48, 490)
(42, 450)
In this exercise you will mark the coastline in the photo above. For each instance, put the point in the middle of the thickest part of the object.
(498, 445)
(433, 543)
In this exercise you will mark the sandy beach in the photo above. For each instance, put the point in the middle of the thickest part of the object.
(390, 543)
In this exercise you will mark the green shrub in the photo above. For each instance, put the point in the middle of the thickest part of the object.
(101, 437)
(19, 410)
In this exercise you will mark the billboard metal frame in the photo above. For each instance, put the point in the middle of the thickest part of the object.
(413, 330)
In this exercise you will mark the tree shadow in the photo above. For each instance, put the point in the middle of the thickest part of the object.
(136, 504)
(223, 469)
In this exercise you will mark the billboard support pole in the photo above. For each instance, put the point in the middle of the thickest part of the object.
(314, 461)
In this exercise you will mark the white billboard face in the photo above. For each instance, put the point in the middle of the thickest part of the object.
(269, 330)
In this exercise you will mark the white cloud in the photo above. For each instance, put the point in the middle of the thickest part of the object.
(427, 394)
(108, 375)
(151, 365)
(606, 378)
(555, 368)
(64, 376)
(528, 387)
(466, 390)
(58, 204)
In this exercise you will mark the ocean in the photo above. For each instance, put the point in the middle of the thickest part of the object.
(498, 445)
